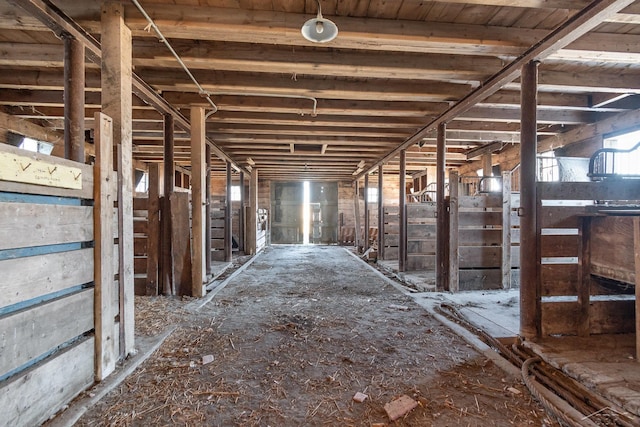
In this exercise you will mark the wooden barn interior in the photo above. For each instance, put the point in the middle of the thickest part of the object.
(477, 144)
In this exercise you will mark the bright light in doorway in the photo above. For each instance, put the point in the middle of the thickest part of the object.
(306, 215)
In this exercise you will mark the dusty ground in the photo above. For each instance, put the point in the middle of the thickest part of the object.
(293, 338)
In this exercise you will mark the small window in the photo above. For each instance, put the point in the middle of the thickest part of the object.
(235, 193)
(143, 183)
(372, 195)
(36, 146)
(548, 167)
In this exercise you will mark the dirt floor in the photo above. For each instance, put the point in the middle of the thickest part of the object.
(289, 342)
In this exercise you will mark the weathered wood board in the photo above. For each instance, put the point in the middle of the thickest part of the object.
(30, 398)
(31, 277)
(31, 333)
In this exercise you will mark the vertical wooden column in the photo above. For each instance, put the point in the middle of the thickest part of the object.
(252, 216)
(441, 210)
(198, 144)
(402, 213)
(366, 212)
(487, 167)
(530, 325)
(584, 277)
(228, 216)
(73, 99)
(116, 103)
(168, 281)
(207, 214)
(104, 311)
(506, 230)
(356, 210)
(153, 230)
(452, 250)
(241, 216)
(380, 212)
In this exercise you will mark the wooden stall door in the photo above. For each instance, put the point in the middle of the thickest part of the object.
(286, 222)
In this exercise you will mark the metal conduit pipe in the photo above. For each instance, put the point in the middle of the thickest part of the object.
(153, 25)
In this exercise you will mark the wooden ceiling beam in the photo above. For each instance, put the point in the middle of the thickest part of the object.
(55, 20)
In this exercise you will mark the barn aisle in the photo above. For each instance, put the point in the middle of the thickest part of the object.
(291, 340)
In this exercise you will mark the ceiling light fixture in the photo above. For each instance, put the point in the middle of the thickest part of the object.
(319, 29)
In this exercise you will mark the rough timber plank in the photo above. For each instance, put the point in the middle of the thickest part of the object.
(31, 333)
(38, 225)
(30, 398)
(116, 83)
(106, 259)
(26, 278)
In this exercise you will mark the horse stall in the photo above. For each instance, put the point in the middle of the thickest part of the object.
(586, 256)
(483, 241)
(60, 304)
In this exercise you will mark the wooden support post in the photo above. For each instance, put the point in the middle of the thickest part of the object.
(241, 216)
(506, 230)
(487, 168)
(153, 230)
(452, 247)
(365, 246)
(252, 216)
(441, 223)
(228, 216)
(116, 103)
(168, 279)
(636, 250)
(207, 214)
(104, 311)
(198, 143)
(356, 210)
(584, 277)
(402, 213)
(380, 212)
(530, 318)
(73, 99)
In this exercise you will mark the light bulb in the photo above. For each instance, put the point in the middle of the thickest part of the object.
(319, 27)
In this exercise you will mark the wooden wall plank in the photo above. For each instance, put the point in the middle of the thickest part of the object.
(180, 242)
(559, 246)
(559, 279)
(559, 216)
(612, 317)
(39, 224)
(475, 280)
(27, 334)
(26, 278)
(480, 218)
(559, 318)
(480, 256)
(480, 236)
(30, 398)
(480, 202)
(601, 190)
(506, 240)
(612, 248)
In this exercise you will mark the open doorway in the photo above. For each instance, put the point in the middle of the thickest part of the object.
(304, 212)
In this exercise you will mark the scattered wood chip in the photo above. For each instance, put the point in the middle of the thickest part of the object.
(207, 359)
(400, 407)
(360, 397)
(399, 307)
(514, 390)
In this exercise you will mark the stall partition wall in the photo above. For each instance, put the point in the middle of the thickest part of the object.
(59, 298)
